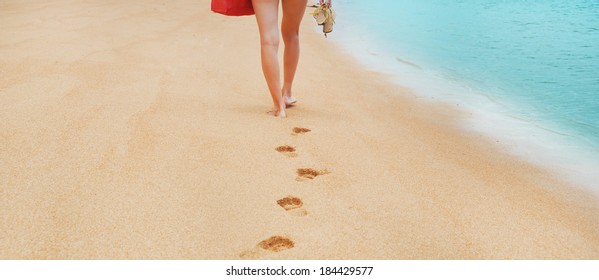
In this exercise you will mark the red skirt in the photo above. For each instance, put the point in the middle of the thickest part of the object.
(233, 7)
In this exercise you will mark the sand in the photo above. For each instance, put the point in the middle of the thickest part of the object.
(138, 130)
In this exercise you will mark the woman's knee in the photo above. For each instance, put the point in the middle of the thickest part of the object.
(270, 40)
(290, 36)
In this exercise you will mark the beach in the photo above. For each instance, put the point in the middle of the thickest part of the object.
(138, 130)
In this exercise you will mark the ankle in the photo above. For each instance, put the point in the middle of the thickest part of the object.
(286, 91)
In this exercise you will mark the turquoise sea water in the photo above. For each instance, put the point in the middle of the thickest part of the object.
(528, 68)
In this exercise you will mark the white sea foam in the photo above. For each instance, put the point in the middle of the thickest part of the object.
(538, 142)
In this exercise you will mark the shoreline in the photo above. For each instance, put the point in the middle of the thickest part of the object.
(539, 142)
(155, 144)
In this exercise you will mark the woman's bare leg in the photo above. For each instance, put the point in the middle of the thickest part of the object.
(293, 12)
(267, 17)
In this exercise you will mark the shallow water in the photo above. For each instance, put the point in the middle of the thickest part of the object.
(528, 70)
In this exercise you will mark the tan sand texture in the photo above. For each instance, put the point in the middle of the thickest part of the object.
(137, 130)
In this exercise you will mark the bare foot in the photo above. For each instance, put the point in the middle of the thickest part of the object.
(289, 101)
(287, 98)
(278, 113)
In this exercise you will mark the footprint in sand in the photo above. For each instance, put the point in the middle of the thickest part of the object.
(293, 206)
(273, 244)
(309, 173)
(287, 150)
(300, 130)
